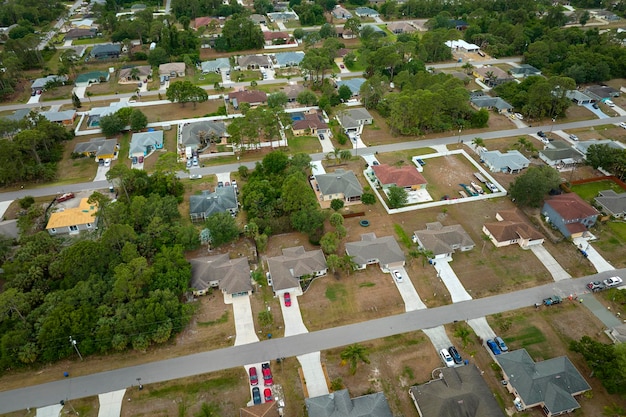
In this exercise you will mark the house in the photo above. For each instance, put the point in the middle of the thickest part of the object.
(231, 276)
(259, 19)
(223, 199)
(366, 12)
(252, 97)
(458, 391)
(77, 33)
(551, 384)
(345, 33)
(214, 131)
(4, 32)
(81, 23)
(354, 84)
(442, 241)
(461, 45)
(561, 156)
(584, 145)
(92, 77)
(295, 263)
(458, 24)
(579, 97)
(492, 76)
(106, 51)
(292, 91)
(339, 404)
(605, 15)
(18, 115)
(601, 92)
(131, 75)
(288, 59)
(353, 119)
(74, 220)
(612, 203)
(401, 27)
(377, 31)
(97, 112)
(100, 148)
(524, 70)
(370, 250)
(491, 103)
(40, 83)
(254, 61)
(512, 227)
(65, 118)
(267, 409)
(570, 214)
(216, 65)
(172, 69)
(143, 143)
(308, 123)
(342, 185)
(204, 21)
(511, 162)
(276, 38)
(341, 13)
(407, 177)
(284, 16)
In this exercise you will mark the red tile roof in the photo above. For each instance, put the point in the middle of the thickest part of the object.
(571, 207)
(202, 21)
(270, 36)
(406, 176)
(310, 121)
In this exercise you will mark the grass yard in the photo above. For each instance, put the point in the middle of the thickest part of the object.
(611, 242)
(306, 144)
(245, 76)
(177, 111)
(590, 190)
(206, 79)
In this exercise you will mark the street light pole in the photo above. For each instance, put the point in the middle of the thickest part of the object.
(73, 343)
(459, 139)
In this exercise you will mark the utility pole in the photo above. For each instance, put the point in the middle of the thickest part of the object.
(73, 343)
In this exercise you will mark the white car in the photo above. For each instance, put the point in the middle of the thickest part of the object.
(613, 281)
(397, 275)
(195, 177)
(446, 358)
(573, 137)
(623, 125)
(107, 162)
(519, 116)
(609, 103)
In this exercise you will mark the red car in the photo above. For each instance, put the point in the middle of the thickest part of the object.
(254, 379)
(287, 300)
(65, 197)
(267, 393)
(267, 375)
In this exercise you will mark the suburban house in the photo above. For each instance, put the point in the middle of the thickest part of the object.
(92, 77)
(339, 404)
(97, 112)
(354, 84)
(231, 276)
(345, 33)
(612, 203)
(511, 162)
(259, 19)
(341, 13)
(512, 227)
(100, 148)
(191, 133)
(401, 27)
(65, 118)
(223, 199)
(106, 51)
(524, 70)
(295, 263)
(561, 156)
(252, 97)
(458, 24)
(40, 83)
(442, 241)
(341, 184)
(284, 16)
(407, 177)
(461, 45)
(143, 143)
(490, 103)
(292, 91)
(288, 59)
(551, 384)
(579, 97)
(492, 76)
(172, 69)
(130, 75)
(601, 92)
(276, 38)
(458, 391)
(204, 21)
(78, 33)
(370, 250)
(73, 220)
(352, 120)
(309, 123)
(216, 65)
(254, 62)
(570, 214)
(82, 23)
(365, 12)
(583, 145)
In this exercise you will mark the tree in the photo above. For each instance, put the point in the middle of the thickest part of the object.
(327, 31)
(354, 354)
(185, 91)
(138, 120)
(335, 219)
(397, 197)
(307, 98)
(329, 243)
(606, 362)
(76, 101)
(478, 142)
(530, 188)
(158, 56)
(368, 198)
(353, 25)
(111, 125)
(222, 227)
(277, 100)
(240, 34)
(344, 93)
(336, 204)
(610, 159)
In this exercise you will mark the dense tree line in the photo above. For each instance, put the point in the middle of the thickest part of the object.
(607, 362)
(538, 97)
(13, 11)
(122, 287)
(239, 34)
(198, 8)
(609, 159)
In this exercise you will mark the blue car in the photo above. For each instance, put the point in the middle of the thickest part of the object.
(503, 347)
(493, 346)
(421, 161)
(256, 395)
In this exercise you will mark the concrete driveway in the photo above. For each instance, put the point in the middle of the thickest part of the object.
(597, 112)
(327, 144)
(50, 411)
(223, 176)
(244, 324)
(556, 270)
(101, 174)
(412, 300)
(314, 376)
(482, 328)
(34, 99)
(111, 403)
(451, 281)
(438, 337)
(317, 168)
(292, 315)
(80, 91)
(594, 257)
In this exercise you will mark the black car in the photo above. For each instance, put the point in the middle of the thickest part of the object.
(595, 106)
(256, 395)
(541, 134)
(455, 354)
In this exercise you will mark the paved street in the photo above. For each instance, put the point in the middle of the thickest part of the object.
(200, 363)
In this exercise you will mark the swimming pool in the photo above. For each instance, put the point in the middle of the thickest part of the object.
(297, 116)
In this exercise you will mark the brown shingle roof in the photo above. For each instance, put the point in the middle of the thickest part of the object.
(270, 36)
(513, 226)
(310, 121)
(405, 176)
(248, 96)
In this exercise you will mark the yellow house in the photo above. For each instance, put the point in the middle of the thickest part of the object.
(73, 220)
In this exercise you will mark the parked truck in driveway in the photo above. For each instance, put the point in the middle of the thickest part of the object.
(555, 299)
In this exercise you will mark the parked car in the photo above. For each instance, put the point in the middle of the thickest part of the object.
(321, 136)
(220, 184)
(34, 93)
(267, 393)
(107, 162)
(194, 161)
(342, 66)
(503, 347)
(397, 275)
(287, 299)
(609, 103)
(596, 286)
(375, 163)
(39, 92)
(613, 281)
(141, 159)
(622, 124)
(195, 176)
(494, 347)
(519, 116)
(456, 356)
(267, 374)
(595, 106)
(188, 163)
(420, 161)
(446, 358)
(254, 378)
(234, 183)
(541, 134)
(555, 299)
(256, 395)
(573, 137)
(65, 197)
(227, 184)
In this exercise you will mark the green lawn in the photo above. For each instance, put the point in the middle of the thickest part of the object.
(206, 79)
(245, 75)
(306, 144)
(89, 41)
(336, 292)
(590, 190)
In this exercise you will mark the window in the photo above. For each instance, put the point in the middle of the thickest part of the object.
(73, 228)
(53, 230)
(89, 225)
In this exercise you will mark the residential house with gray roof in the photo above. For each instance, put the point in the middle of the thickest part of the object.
(211, 131)
(254, 61)
(370, 250)
(341, 184)
(551, 384)
(172, 69)
(130, 75)
(284, 16)
(295, 263)
(339, 404)
(353, 119)
(601, 92)
(511, 162)
(216, 65)
(93, 77)
(340, 12)
(231, 276)
(40, 83)
(365, 12)
(223, 199)
(491, 103)
(100, 148)
(583, 145)
(561, 156)
(579, 97)
(65, 118)
(354, 84)
(612, 203)
(442, 241)
(106, 51)
(259, 19)
(288, 59)
(524, 70)
(143, 143)
(401, 27)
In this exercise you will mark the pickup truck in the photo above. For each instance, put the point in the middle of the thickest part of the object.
(555, 299)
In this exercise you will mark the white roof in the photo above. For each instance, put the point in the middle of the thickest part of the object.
(460, 43)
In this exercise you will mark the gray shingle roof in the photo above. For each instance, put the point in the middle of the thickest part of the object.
(339, 404)
(487, 101)
(354, 84)
(59, 116)
(140, 141)
(614, 203)
(294, 263)
(340, 182)
(512, 159)
(289, 58)
(233, 275)
(353, 118)
(441, 239)
(216, 65)
(41, 82)
(208, 203)
(370, 247)
(99, 146)
(189, 132)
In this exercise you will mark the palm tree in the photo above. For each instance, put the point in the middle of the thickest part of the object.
(478, 142)
(134, 73)
(345, 155)
(468, 67)
(354, 354)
